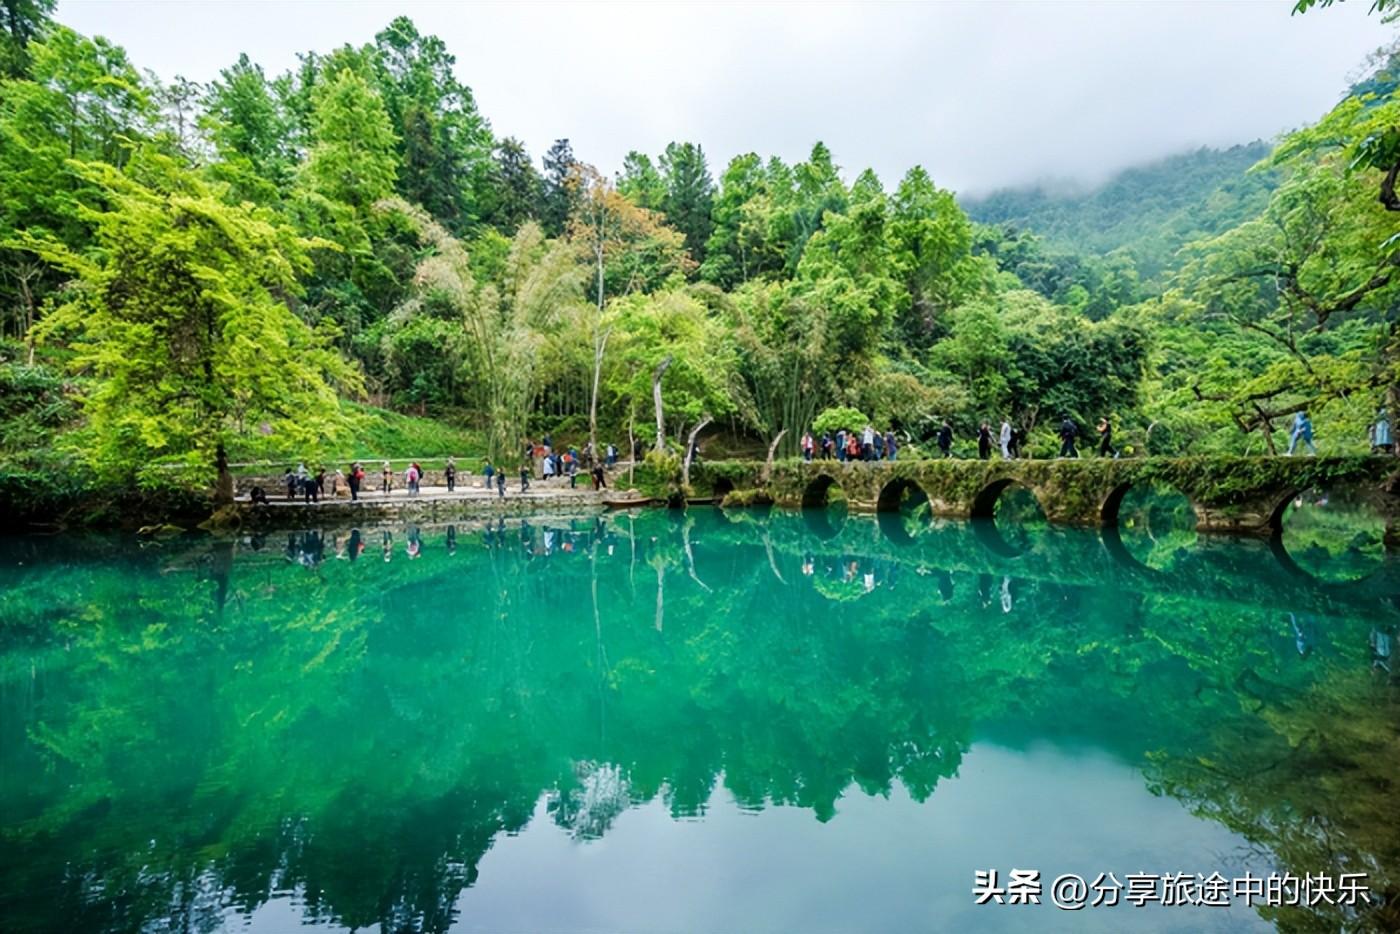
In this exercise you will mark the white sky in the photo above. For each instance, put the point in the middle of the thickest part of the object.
(983, 95)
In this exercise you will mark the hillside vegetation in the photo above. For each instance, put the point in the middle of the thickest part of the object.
(1149, 211)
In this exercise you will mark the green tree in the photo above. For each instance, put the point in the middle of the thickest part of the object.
(516, 187)
(82, 101)
(641, 182)
(846, 267)
(253, 135)
(558, 196)
(444, 144)
(351, 160)
(689, 193)
(180, 314)
(629, 249)
(507, 322)
(670, 326)
(21, 22)
(930, 241)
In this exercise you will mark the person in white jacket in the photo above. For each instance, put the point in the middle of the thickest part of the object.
(1005, 439)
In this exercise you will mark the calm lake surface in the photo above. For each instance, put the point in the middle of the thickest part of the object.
(699, 721)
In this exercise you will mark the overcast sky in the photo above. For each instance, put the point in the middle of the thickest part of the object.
(982, 94)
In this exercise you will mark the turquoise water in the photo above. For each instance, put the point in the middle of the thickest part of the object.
(686, 721)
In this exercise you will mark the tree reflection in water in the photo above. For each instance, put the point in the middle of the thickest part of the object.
(193, 728)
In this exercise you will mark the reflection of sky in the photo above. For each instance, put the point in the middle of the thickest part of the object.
(879, 864)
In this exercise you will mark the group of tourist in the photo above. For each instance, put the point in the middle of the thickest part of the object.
(566, 462)
(849, 445)
(871, 444)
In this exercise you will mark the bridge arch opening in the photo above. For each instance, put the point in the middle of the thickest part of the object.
(1331, 534)
(824, 507)
(1151, 525)
(1006, 514)
(822, 493)
(902, 510)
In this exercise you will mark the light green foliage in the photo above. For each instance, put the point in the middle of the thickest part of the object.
(835, 419)
(81, 99)
(351, 160)
(671, 324)
(977, 351)
(506, 321)
(782, 340)
(179, 315)
(641, 182)
(930, 244)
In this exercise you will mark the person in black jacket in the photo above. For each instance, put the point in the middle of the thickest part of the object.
(1068, 432)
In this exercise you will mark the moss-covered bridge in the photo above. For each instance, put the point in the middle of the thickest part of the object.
(1245, 495)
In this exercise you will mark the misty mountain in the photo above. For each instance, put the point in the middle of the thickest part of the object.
(1149, 210)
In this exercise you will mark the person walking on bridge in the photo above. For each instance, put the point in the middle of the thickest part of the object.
(984, 442)
(388, 478)
(1005, 439)
(945, 438)
(1382, 441)
(867, 443)
(1105, 429)
(449, 473)
(807, 445)
(1302, 431)
(891, 445)
(1068, 432)
(524, 476)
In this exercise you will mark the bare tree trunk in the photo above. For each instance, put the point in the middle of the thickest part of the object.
(600, 346)
(631, 447)
(690, 447)
(772, 564)
(223, 483)
(690, 555)
(768, 464)
(660, 594)
(27, 273)
(656, 398)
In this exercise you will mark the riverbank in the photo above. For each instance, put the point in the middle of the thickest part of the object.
(431, 504)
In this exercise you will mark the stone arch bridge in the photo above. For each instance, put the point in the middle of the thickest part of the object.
(1243, 495)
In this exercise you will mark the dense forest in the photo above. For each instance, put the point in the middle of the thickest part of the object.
(245, 264)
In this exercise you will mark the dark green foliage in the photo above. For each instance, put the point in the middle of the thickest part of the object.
(516, 188)
(21, 21)
(559, 194)
(689, 190)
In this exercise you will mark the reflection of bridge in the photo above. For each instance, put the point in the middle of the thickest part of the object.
(1228, 494)
(1241, 573)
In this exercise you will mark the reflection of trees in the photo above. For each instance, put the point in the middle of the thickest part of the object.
(1312, 777)
(361, 732)
(1334, 535)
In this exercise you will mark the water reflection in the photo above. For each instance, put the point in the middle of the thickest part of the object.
(194, 732)
(1332, 535)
